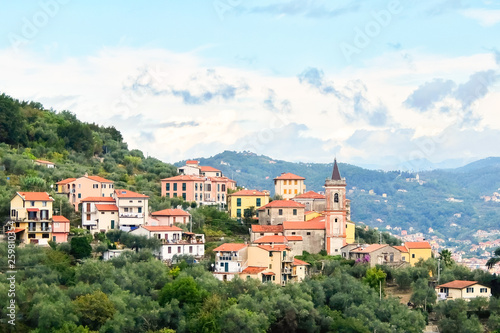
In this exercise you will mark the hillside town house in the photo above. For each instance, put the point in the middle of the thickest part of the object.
(46, 164)
(239, 201)
(312, 201)
(125, 210)
(288, 185)
(374, 254)
(459, 289)
(417, 251)
(278, 211)
(230, 260)
(76, 189)
(170, 216)
(34, 223)
(174, 240)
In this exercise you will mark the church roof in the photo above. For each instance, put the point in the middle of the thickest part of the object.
(336, 172)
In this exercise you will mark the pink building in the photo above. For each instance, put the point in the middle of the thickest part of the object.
(203, 190)
(77, 189)
(60, 229)
(168, 217)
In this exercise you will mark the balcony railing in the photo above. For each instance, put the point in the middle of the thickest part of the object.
(132, 215)
(229, 258)
(40, 229)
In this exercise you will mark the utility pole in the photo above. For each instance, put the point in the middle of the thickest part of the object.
(439, 269)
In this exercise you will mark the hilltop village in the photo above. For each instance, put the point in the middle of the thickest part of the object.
(297, 221)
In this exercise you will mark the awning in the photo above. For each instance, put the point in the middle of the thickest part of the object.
(15, 231)
(32, 209)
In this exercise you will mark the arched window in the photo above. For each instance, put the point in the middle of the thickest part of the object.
(336, 197)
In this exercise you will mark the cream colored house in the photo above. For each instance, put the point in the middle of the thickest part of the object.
(278, 211)
(99, 214)
(289, 185)
(133, 208)
(459, 289)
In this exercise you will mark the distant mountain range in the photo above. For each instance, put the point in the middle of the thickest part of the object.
(449, 201)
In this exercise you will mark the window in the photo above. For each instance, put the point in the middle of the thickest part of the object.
(196, 186)
(209, 187)
(88, 217)
(336, 197)
(168, 187)
(167, 195)
(169, 249)
(270, 265)
(336, 220)
(32, 204)
(201, 187)
(483, 290)
(175, 186)
(294, 211)
(102, 212)
(88, 206)
(280, 211)
(131, 201)
(470, 290)
(190, 249)
(183, 186)
(295, 191)
(95, 186)
(125, 209)
(257, 203)
(175, 195)
(103, 185)
(308, 233)
(284, 191)
(223, 196)
(13, 212)
(178, 249)
(184, 196)
(218, 197)
(238, 202)
(196, 196)
(139, 209)
(31, 235)
(403, 258)
(223, 187)
(218, 187)
(293, 232)
(296, 182)
(79, 195)
(140, 201)
(413, 256)
(44, 204)
(238, 213)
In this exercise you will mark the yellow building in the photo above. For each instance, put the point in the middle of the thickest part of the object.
(350, 232)
(289, 185)
(311, 215)
(417, 251)
(244, 199)
(32, 214)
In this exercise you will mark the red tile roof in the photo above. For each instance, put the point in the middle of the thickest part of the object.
(192, 162)
(35, 196)
(267, 228)
(309, 225)
(184, 178)
(289, 175)
(129, 194)
(370, 248)
(66, 181)
(253, 270)
(230, 247)
(268, 273)
(249, 193)
(208, 169)
(171, 212)
(160, 228)
(15, 230)
(294, 238)
(44, 162)
(282, 204)
(457, 284)
(310, 195)
(297, 262)
(106, 208)
(271, 239)
(59, 218)
(98, 199)
(417, 245)
(270, 248)
(401, 248)
(99, 179)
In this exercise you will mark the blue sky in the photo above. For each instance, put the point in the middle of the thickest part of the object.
(382, 84)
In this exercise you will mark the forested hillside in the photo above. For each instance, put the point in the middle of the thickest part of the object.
(448, 201)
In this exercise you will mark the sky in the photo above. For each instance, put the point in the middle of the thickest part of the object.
(380, 84)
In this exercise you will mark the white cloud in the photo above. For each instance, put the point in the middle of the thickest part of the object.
(485, 17)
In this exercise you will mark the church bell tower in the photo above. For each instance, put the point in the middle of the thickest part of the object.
(336, 211)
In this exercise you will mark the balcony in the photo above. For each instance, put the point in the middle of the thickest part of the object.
(40, 229)
(288, 259)
(229, 258)
(132, 215)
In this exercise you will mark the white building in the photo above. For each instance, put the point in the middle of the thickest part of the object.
(230, 260)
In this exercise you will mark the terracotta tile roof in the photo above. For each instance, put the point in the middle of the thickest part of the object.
(309, 225)
(44, 162)
(297, 262)
(171, 212)
(59, 218)
(35, 196)
(192, 162)
(271, 239)
(268, 273)
(66, 181)
(457, 284)
(294, 238)
(370, 248)
(270, 248)
(208, 169)
(249, 193)
(100, 179)
(129, 194)
(253, 270)
(310, 195)
(282, 204)
(401, 248)
(106, 208)
(267, 228)
(417, 245)
(98, 199)
(288, 175)
(184, 178)
(160, 228)
(230, 247)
